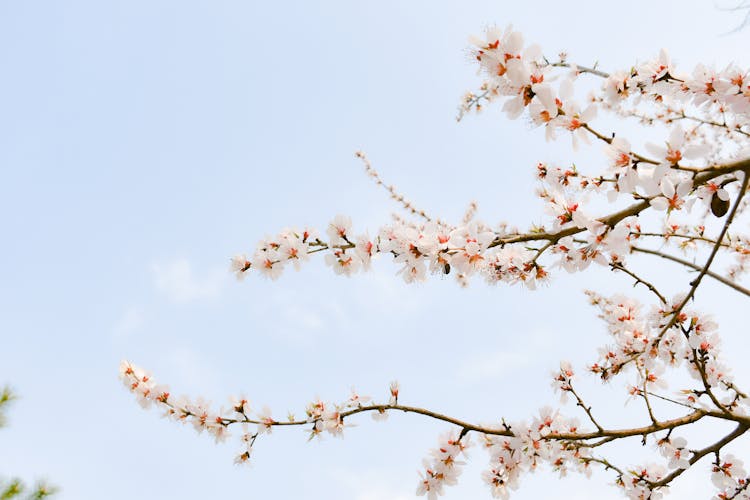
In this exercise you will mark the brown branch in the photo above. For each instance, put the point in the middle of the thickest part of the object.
(712, 123)
(603, 461)
(694, 284)
(717, 277)
(608, 140)
(587, 409)
(496, 431)
(580, 69)
(700, 364)
(698, 454)
(743, 486)
(674, 401)
(618, 266)
(182, 412)
(644, 395)
(611, 220)
(689, 237)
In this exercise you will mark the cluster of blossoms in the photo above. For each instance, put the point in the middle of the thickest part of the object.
(195, 412)
(416, 248)
(443, 466)
(693, 237)
(666, 338)
(662, 182)
(675, 449)
(321, 417)
(431, 248)
(527, 446)
(528, 83)
(731, 478)
(474, 248)
(523, 75)
(531, 445)
(698, 170)
(526, 80)
(547, 439)
(638, 485)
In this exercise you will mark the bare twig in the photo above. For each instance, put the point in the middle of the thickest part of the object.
(717, 277)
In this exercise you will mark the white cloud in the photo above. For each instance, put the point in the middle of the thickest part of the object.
(305, 325)
(302, 318)
(177, 281)
(129, 322)
(370, 484)
(386, 293)
(306, 318)
(492, 365)
(381, 493)
(192, 370)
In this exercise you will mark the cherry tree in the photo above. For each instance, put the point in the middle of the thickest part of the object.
(679, 196)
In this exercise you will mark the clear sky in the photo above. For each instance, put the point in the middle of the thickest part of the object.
(142, 143)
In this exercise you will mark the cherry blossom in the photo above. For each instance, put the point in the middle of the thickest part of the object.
(675, 449)
(638, 200)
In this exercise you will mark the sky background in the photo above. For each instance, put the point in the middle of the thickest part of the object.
(143, 143)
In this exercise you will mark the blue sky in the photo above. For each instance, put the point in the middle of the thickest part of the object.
(144, 143)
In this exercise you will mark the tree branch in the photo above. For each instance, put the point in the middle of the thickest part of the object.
(717, 277)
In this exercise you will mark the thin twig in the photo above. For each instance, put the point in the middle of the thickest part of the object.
(395, 195)
(717, 277)
(618, 266)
